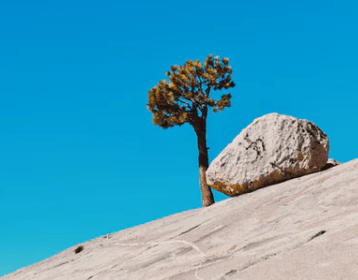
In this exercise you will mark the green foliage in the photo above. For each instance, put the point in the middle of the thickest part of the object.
(186, 97)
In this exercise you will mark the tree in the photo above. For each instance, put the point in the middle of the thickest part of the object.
(186, 99)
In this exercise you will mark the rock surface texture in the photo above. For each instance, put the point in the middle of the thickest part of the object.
(273, 149)
(302, 229)
(330, 163)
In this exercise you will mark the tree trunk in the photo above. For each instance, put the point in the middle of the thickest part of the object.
(207, 195)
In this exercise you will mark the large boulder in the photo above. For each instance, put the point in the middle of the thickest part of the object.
(273, 149)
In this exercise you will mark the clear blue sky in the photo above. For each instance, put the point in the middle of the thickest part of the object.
(79, 156)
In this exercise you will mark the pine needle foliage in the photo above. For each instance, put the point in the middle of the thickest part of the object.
(186, 96)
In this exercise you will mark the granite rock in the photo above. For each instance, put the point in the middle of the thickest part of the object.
(302, 229)
(273, 149)
(330, 163)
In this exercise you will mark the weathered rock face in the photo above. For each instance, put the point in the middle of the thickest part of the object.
(273, 149)
(301, 229)
(330, 163)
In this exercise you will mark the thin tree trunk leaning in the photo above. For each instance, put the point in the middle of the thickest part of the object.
(207, 195)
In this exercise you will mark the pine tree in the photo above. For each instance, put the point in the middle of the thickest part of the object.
(186, 99)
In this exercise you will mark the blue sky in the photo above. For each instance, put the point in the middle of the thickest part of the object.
(79, 156)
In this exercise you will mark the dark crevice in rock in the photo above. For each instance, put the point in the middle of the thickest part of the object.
(156, 260)
(190, 229)
(255, 145)
(231, 272)
(328, 166)
(182, 251)
(274, 165)
(209, 234)
(266, 257)
(254, 262)
(317, 234)
(256, 244)
(79, 249)
(194, 227)
(215, 259)
(330, 163)
(60, 264)
(115, 266)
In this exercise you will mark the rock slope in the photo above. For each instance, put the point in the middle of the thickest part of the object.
(304, 228)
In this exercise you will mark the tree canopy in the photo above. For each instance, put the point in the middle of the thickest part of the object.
(186, 96)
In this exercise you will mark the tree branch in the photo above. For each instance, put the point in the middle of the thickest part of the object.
(207, 91)
(186, 103)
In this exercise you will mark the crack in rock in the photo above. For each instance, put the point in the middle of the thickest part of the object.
(194, 227)
(215, 230)
(196, 248)
(258, 260)
(317, 234)
(63, 263)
